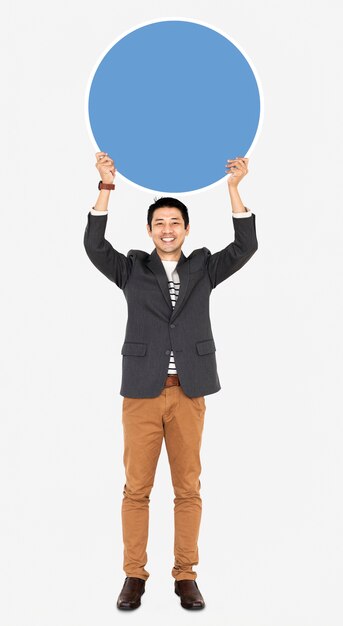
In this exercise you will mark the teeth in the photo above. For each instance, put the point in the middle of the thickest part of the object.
(168, 238)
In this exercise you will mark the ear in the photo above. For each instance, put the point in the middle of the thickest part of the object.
(149, 231)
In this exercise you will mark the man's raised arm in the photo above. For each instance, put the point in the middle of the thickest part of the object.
(113, 264)
(226, 262)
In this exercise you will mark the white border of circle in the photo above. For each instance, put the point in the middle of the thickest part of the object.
(168, 19)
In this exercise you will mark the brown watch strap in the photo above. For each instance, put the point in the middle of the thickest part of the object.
(102, 185)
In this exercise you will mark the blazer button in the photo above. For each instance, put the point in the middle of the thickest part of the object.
(172, 325)
(167, 351)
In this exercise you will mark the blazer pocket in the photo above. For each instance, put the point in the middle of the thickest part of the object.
(131, 348)
(206, 347)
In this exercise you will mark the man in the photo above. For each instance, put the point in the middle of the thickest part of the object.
(168, 366)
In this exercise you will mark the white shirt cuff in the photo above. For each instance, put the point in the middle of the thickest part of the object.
(94, 212)
(246, 213)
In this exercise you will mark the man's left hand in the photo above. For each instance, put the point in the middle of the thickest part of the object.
(237, 168)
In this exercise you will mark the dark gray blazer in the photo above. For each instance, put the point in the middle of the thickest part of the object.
(154, 328)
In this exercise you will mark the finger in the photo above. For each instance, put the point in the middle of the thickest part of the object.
(237, 166)
(103, 157)
(240, 168)
(243, 162)
(240, 159)
(105, 161)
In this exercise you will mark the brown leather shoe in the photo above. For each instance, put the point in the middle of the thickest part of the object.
(130, 595)
(189, 593)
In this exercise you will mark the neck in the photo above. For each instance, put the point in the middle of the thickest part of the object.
(169, 258)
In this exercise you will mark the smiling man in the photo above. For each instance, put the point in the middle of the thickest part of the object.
(167, 229)
(168, 366)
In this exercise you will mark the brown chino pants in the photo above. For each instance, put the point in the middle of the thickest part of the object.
(178, 419)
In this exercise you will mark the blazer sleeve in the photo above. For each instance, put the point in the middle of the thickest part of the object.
(113, 264)
(226, 262)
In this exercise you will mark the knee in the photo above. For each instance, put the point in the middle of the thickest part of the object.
(187, 492)
(137, 493)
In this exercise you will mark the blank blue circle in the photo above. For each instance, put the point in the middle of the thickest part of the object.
(170, 102)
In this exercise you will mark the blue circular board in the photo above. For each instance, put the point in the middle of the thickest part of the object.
(170, 102)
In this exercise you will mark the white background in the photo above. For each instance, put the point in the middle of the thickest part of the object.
(270, 542)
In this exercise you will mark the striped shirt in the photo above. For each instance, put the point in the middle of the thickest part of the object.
(174, 288)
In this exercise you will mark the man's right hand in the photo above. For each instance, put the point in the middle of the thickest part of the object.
(105, 167)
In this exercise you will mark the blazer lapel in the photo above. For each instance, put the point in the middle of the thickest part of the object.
(155, 264)
(182, 269)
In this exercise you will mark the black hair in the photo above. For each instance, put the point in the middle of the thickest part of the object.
(170, 202)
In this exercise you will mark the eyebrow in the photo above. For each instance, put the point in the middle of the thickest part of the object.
(160, 219)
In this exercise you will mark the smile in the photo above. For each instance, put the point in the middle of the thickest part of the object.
(168, 239)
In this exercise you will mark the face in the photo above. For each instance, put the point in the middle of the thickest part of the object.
(168, 232)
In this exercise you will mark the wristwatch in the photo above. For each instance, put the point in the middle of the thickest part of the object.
(102, 185)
